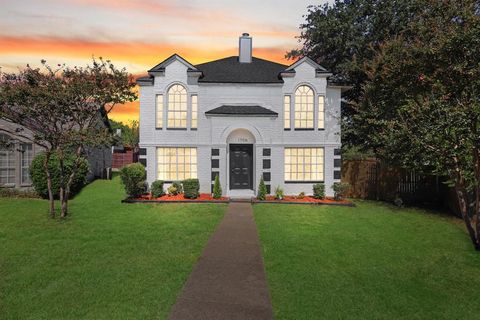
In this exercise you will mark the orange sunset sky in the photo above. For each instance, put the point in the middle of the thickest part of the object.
(138, 34)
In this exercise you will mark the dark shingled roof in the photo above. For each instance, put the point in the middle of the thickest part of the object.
(241, 110)
(229, 70)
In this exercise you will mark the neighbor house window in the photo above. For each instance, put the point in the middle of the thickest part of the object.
(321, 112)
(26, 160)
(176, 163)
(177, 107)
(194, 111)
(7, 161)
(303, 164)
(286, 111)
(304, 106)
(159, 114)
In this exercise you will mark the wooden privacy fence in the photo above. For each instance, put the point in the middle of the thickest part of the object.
(371, 179)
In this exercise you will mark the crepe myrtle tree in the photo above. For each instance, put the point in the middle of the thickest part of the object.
(421, 103)
(61, 109)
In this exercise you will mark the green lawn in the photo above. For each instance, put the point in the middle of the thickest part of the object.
(108, 260)
(369, 262)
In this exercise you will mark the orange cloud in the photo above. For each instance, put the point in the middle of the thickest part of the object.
(144, 55)
(139, 53)
(125, 112)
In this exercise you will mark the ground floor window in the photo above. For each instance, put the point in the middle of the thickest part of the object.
(7, 161)
(176, 163)
(26, 159)
(303, 164)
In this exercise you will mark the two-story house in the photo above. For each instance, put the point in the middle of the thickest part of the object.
(241, 118)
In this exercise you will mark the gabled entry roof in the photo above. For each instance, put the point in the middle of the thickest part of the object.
(242, 110)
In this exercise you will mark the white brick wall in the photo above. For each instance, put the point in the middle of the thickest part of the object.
(213, 131)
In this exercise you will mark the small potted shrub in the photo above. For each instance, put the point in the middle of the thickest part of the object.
(217, 188)
(340, 189)
(191, 188)
(278, 193)
(319, 191)
(262, 190)
(157, 189)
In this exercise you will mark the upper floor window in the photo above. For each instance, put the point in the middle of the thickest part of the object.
(177, 107)
(194, 111)
(321, 112)
(159, 112)
(286, 112)
(304, 107)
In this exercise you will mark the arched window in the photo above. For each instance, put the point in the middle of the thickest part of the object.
(304, 106)
(177, 107)
(7, 161)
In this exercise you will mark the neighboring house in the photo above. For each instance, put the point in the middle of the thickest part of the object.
(241, 118)
(15, 159)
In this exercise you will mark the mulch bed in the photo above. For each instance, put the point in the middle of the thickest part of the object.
(305, 200)
(207, 198)
(203, 197)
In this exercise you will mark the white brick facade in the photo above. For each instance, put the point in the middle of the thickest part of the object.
(215, 132)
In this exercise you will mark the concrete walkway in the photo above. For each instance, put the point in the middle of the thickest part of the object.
(228, 281)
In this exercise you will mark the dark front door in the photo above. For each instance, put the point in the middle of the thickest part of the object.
(241, 166)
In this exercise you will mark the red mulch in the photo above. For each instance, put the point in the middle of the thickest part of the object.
(180, 197)
(306, 199)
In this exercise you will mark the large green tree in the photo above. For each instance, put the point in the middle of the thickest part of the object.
(420, 104)
(343, 36)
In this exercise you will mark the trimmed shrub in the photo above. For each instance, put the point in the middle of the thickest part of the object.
(262, 190)
(278, 193)
(191, 188)
(319, 190)
(301, 195)
(157, 188)
(39, 178)
(217, 188)
(178, 186)
(133, 178)
(340, 189)
(172, 190)
(18, 193)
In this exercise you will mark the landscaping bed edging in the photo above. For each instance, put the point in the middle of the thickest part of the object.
(180, 198)
(205, 198)
(343, 203)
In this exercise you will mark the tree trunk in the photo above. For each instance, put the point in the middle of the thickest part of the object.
(463, 203)
(63, 212)
(64, 209)
(476, 212)
(46, 162)
(66, 190)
